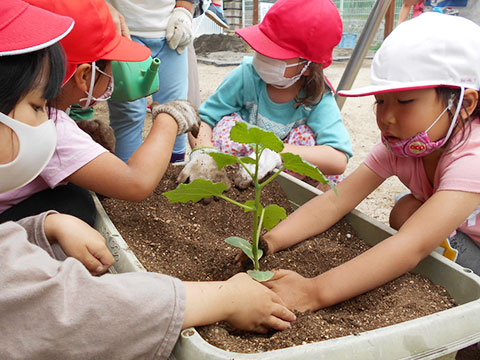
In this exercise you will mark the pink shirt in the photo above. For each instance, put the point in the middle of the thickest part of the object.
(457, 171)
(75, 148)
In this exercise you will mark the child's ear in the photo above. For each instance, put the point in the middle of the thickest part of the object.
(82, 76)
(470, 100)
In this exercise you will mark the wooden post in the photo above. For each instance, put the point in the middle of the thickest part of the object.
(389, 18)
(255, 12)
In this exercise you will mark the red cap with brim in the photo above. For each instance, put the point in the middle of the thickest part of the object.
(94, 37)
(25, 28)
(263, 45)
(309, 29)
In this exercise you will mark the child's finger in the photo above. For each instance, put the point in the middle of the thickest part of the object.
(92, 263)
(103, 256)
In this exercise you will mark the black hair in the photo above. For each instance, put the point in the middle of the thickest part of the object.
(313, 86)
(444, 94)
(19, 74)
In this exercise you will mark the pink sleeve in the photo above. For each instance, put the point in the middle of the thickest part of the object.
(459, 170)
(75, 148)
(380, 161)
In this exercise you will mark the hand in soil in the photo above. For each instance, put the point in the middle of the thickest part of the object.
(79, 240)
(295, 290)
(256, 308)
(202, 166)
(269, 161)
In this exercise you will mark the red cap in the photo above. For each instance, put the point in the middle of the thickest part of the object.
(309, 29)
(94, 35)
(25, 28)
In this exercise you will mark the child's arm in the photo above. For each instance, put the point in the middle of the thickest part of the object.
(318, 214)
(332, 138)
(79, 240)
(329, 160)
(241, 301)
(204, 137)
(138, 177)
(444, 212)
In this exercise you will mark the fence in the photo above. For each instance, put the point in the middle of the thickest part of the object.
(354, 14)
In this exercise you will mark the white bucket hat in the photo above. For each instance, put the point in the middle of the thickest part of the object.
(428, 51)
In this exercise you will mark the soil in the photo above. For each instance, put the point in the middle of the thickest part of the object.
(187, 241)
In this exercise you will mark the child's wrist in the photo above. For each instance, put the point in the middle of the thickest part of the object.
(50, 226)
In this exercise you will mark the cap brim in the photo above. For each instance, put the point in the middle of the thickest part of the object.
(263, 45)
(127, 50)
(378, 89)
(44, 29)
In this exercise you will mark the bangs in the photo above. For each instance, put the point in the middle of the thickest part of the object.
(20, 74)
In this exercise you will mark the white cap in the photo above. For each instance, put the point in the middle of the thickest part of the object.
(428, 51)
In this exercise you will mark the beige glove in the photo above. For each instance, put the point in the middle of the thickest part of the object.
(179, 29)
(269, 161)
(202, 166)
(100, 132)
(183, 112)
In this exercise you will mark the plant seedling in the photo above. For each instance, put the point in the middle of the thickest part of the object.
(266, 217)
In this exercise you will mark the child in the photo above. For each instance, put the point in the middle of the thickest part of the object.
(428, 115)
(282, 89)
(50, 306)
(79, 163)
(418, 6)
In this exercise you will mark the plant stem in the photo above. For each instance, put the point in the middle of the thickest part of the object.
(271, 178)
(256, 233)
(248, 208)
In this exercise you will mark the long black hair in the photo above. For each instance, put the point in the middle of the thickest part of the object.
(19, 74)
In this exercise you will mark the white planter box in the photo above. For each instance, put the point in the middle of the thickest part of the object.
(437, 336)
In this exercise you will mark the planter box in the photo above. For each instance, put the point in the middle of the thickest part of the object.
(437, 336)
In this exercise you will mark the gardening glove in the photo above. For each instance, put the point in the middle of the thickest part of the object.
(100, 132)
(183, 112)
(179, 29)
(202, 166)
(269, 161)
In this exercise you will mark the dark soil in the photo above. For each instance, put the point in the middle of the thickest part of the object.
(186, 241)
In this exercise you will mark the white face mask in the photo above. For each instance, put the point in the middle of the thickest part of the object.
(36, 147)
(105, 96)
(272, 71)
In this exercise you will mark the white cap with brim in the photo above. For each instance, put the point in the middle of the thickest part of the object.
(428, 51)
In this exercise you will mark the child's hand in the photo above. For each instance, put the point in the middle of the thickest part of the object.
(256, 308)
(269, 161)
(297, 292)
(79, 240)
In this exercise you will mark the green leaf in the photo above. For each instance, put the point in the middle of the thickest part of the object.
(223, 160)
(251, 205)
(195, 191)
(273, 215)
(260, 275)
(247, 160)
(297, 164)
(242, 244)
(248, 134)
